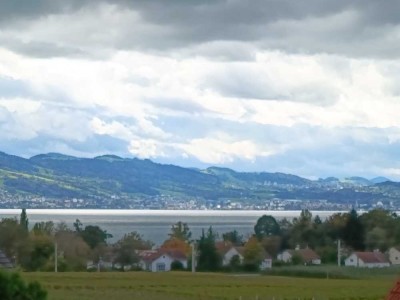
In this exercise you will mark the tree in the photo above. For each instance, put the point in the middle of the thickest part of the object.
(234, 237)
(44, 228)
(92, 235)
(176, 244)
(13, 238)
(353, 232)
(23, 221)
(266, 226)
(317, 220)
(126, 248)
(272, 244)
(176, 265)
(253, 254)
(12, 287)
(180, 231)
(235, 263)
(73, 250)
(41, 250)
(208, 257)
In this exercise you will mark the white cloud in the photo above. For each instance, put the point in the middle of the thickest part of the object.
(217, 151)
(167, 91)
(145, 148)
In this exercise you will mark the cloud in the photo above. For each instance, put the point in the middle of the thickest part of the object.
(307, 87)
(217, 151)
(353, 29)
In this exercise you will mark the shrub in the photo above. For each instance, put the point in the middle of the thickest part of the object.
(176, 265)
(12, 287)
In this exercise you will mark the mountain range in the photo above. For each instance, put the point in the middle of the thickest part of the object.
(59, 176)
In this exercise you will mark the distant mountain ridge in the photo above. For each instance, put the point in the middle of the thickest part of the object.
(56, 175)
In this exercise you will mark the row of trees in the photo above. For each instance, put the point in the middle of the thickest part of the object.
(34, 249)
(376, 229)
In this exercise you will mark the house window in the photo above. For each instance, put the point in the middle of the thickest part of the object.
(351, 260)
(160, 267)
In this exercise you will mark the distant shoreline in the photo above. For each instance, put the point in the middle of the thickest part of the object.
(160, 212)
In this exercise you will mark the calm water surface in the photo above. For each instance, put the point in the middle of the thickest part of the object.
(155, 224)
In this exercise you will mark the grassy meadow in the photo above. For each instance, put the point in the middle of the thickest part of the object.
(183, 285)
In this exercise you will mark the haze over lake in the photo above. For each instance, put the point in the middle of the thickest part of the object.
(155, 224)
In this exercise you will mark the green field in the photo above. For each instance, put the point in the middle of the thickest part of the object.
(153, 286)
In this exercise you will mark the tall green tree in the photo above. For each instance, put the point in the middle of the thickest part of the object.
(180, 231)
(266, 226)
(353, 232)
(44, 228)
(208, 257)
(92, 235)
(23, 221)
(234, 237)
(125, 249)
(13, 238)
(41, 251)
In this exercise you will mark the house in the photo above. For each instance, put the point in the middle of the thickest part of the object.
(160, 260)
(373, 259)
(394, 255)
(307, 255)
(228, 251)
(5, 262)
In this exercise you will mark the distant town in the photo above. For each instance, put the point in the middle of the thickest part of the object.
(169, 202)
(111, 182)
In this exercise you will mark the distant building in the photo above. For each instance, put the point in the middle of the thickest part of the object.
(160, 260)
(5, 262)
(228, 251)
(394, 255)
(373, 259)
(307, 255)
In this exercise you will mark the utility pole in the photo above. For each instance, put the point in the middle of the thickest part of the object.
(338, 253)
(55, 258)
(193, 257)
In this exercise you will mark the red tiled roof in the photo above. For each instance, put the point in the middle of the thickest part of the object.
(223, 247)
(372, 257)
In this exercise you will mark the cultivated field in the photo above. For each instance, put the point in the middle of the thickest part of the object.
(151, 286)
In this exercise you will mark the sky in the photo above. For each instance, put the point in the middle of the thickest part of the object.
(307, 87)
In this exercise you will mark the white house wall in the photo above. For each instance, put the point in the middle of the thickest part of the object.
(285, 256)
(166, 260)
(394, 256)
(266, 264)
(354, 261)
(228, 256)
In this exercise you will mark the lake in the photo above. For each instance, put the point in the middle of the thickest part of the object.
(155, 224)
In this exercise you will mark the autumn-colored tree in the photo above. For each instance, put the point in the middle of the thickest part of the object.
(253, 254)
(180, 231)
(73, 251)
(176, 244)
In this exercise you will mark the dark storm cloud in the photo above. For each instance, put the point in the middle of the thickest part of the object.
(352, 28)
(23, 9)
(41, 49)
